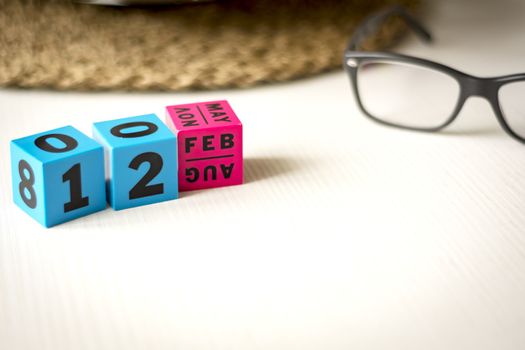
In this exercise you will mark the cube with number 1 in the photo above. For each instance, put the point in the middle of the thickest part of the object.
(58, 175)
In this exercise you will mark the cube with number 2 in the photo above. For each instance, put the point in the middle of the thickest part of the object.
(141, 160)
(58, 175)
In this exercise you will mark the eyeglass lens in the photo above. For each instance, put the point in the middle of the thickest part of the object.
(407, 95)
(512, 104)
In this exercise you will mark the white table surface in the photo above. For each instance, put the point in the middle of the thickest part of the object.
(346, 235)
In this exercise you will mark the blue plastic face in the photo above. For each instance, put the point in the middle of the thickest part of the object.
(141, 154)
(58, 175)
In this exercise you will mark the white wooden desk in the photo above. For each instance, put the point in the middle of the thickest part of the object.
(346, 235)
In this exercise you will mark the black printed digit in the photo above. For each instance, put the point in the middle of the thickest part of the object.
(69, 143)
(26, 184)
(75, 189)
(142, 188)
(118, 130)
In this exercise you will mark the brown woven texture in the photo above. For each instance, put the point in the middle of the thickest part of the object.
(63, 45)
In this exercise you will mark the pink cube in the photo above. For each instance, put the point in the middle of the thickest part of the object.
(209, 137)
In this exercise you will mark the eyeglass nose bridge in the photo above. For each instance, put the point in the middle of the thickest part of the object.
(481, 87)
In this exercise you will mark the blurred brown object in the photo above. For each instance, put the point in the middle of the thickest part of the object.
(65, 45)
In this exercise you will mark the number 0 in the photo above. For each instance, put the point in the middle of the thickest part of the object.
(118, 130)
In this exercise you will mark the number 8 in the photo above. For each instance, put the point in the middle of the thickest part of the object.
(27, 184)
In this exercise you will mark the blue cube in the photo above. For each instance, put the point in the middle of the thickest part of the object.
(141, 160)
(58, 175)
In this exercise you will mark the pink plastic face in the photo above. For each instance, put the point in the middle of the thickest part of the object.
(209, 137)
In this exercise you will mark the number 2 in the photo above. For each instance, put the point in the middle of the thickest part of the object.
(142, 188)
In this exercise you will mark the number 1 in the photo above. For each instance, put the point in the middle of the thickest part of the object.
(75, 189)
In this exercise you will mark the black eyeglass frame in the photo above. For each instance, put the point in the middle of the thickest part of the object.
(469, 85)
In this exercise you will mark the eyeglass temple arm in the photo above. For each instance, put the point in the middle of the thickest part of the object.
(372, 24)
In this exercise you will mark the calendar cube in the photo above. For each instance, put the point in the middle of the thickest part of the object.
(141, 160)
(210, 144)
(58, 175)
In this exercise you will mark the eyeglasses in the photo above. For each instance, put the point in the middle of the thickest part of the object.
(418, 94)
